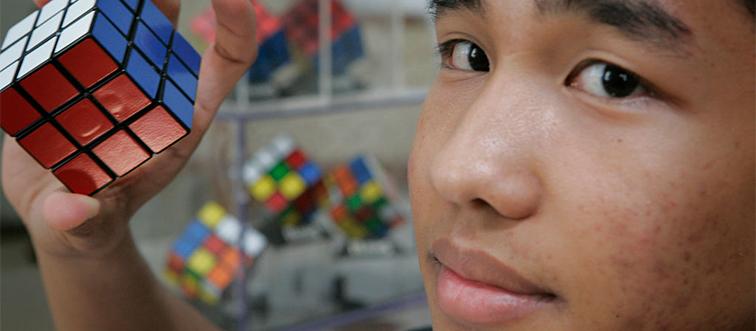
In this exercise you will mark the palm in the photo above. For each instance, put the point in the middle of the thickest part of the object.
(27, 185)
(35, 192)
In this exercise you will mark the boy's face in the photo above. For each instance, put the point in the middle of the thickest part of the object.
(589, 165)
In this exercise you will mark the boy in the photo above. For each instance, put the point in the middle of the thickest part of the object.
(579, 165)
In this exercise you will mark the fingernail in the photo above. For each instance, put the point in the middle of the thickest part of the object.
(93, 206)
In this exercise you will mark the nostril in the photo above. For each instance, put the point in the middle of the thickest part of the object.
(515, 212)
(481, 204)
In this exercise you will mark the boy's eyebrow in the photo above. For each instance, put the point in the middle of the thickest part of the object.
(640, 20)
(439, 7)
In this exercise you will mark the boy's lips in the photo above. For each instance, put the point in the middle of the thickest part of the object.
(474, 287)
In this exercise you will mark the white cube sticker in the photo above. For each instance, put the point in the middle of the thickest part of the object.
(74, 32)
(50, 9)
(252, 173)
(20, 29)
(12, 54)
(254, 243)
(229, 229)
(266, 159)
(283, 145)
(45, 31)
(78, 9)
(6, 75)
(37, 57)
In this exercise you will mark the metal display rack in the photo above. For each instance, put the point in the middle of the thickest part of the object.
(240, 112)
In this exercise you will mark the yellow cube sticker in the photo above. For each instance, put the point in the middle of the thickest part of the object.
(292, 186)
(201, 261)
(211, 214)
(263, 189)
(371, 192)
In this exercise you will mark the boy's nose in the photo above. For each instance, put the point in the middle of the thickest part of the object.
(477, 167)
(513, 192)
(491, 158)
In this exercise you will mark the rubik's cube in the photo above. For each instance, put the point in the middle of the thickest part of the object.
(285, 180)
(302, 24)
(205, 259)
(359, 203)
(94, 88)
(273, 51)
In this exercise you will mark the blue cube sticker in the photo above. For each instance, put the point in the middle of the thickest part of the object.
(187, 54)
(178, 103)
(143, 74)
(117, 13)
(149, 44)
(157, 22)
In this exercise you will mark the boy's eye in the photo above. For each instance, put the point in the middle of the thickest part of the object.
(464, 55)
(606, 80)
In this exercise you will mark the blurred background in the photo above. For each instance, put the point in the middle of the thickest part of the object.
(293, 213)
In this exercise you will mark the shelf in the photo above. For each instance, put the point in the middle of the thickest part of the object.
(318, 105)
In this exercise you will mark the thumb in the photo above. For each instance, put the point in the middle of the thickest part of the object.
(66, 211)
(41, 3)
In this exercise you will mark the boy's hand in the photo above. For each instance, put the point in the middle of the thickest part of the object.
(66, 224)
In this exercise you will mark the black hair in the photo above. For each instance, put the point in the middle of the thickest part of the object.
(751, 6)
(436, 5)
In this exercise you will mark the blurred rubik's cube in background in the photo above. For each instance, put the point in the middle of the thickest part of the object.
(356, 196)
(205, 259)
(94, 88)
(285, 180)
(361, 200)
(289, 53)
(302, 24)
(273, 47)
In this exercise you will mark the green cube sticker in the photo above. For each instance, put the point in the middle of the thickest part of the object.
(279, 171)
(374, 225)
(354, 202)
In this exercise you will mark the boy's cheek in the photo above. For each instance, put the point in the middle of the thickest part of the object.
(659, 250)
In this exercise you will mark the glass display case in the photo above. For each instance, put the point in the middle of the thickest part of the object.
(339, 83)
